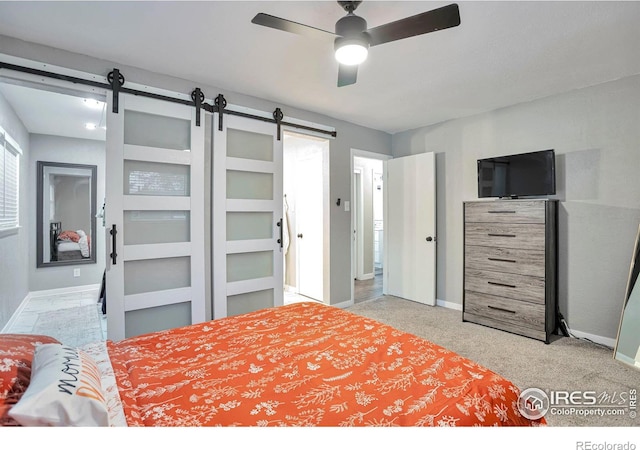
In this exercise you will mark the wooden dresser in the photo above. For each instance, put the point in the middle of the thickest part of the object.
(510, 266)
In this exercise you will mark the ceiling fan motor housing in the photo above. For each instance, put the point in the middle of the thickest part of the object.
(351, 29)
(350, 26)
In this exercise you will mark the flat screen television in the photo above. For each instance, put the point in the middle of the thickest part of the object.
(523, 175)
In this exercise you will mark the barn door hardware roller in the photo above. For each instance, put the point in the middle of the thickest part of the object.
(116, 80)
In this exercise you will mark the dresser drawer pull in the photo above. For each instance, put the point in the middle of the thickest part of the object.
(501, 235)
(502, 260)
(501, 212)
(500, 309)
(501, 284)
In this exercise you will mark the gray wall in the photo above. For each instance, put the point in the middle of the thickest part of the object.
(14, 259)
(348, 136)
(72, 199)
(65, 150)
(595, 134)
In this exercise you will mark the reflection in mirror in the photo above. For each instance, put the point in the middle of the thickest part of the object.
(66, 214)
(628, 343)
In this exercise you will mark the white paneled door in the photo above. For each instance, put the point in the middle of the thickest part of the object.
(310, 225)
(154, 217)
(247, 216)
(410, 226)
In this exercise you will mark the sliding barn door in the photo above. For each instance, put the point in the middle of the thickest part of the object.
(154, 217)
(247, 217)
(410, 269)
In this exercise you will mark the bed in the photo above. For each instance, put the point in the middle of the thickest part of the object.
(68, 245)
(304, 364)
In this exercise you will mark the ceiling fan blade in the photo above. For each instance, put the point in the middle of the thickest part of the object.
(426, 22)
(347, 75)
(292, 27)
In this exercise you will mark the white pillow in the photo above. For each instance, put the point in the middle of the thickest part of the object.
(83, 243)
(65, 390)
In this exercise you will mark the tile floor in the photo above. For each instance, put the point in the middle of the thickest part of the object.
(37, 304)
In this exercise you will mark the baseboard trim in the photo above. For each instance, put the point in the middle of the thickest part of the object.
(608, 342)
(67, 290)
(344, 304)
(16, 313)
(450, 305)
(366, 276)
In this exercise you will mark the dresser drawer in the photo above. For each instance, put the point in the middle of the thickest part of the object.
(508, 260)
(528, 315)
(514, 235)
(510, 211)
(518, 287)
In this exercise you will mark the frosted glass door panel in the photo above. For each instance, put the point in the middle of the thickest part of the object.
(150, 178)
(249, 185)
(156, 227)
(149, 320)
(246, 266)
(152, 130)
(151, 275)
(249, 225)
(248, 145)
(252, 301)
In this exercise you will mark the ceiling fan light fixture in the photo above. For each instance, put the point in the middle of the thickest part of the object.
(351, 52)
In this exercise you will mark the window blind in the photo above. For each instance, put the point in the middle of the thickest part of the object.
(9, 182)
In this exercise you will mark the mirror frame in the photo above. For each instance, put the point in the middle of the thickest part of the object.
(634, 276)
(40, 214)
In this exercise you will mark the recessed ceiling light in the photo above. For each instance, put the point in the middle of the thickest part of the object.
(90, 126)
(93, 103)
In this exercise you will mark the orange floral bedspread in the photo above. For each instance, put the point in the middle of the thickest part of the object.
(304, 364)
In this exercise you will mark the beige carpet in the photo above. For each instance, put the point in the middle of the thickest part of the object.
(565, 363)
(74, 326)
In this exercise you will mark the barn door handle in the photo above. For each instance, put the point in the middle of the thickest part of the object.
(281, 240)
(113, 232)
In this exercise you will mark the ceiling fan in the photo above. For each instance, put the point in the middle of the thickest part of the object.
(352, 39)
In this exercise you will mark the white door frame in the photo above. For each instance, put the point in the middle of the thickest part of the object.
(356, 206)
(369, 155)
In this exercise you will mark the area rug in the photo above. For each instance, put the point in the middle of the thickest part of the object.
(75, 326)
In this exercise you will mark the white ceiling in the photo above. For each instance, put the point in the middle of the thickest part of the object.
(503, 53)
(53, 113)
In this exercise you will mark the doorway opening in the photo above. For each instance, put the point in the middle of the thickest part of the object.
(305, 217)
(61, 129)
(368, 244)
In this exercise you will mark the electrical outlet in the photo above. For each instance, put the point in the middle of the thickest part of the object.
(76, 272)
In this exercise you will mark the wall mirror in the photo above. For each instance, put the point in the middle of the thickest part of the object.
(627, 347)
(66, 216)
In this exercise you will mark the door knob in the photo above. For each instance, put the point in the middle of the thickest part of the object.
(429, 239)
(300, 235)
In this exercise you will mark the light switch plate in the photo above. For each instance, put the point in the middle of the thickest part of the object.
(347, 205)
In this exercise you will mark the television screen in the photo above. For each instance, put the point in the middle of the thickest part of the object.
(522, 175)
